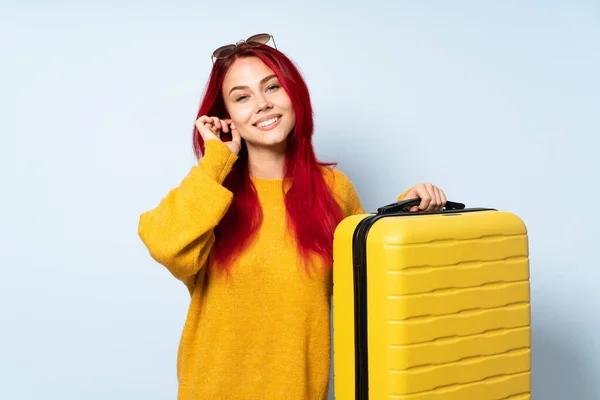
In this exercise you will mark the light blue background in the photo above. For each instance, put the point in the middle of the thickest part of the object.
(497, 102)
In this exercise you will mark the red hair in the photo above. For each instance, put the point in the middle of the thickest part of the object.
(312, 212)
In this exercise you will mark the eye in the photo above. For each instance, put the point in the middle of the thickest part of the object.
(273, 87)
(241, 98)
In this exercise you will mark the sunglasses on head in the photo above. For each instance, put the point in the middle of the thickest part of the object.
(254, 40)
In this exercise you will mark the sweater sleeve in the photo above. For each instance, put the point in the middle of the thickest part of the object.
(354, 204)
(344, 192)
(178, 233)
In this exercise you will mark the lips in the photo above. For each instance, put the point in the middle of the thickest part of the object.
(267, 121)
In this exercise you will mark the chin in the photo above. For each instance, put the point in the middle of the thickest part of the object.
(271, 138)
(275, 138)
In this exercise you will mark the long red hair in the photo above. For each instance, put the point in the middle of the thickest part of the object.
(312, 211)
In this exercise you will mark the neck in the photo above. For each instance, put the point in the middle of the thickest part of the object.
(266, 162)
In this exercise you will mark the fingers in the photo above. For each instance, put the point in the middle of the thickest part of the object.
(437, 198)
(211, 127)
(216, 123)
(204, 121)
(442, 198)
(432, 197)
(426, 195)
(204, 126)
(425, 200)
(220, 125)
(224, 126)
(235, 135)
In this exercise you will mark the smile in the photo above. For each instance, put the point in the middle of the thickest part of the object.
(269, 123)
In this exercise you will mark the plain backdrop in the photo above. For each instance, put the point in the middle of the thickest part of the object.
(496, 102)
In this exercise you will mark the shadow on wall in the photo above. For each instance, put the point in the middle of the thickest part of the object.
(559, 368)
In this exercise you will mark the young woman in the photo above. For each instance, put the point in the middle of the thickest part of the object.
(250, 232)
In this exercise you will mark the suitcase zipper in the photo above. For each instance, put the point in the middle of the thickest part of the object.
(359, 253)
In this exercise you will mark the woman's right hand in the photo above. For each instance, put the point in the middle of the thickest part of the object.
(210, 129)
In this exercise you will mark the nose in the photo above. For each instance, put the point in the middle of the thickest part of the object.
(263, 104)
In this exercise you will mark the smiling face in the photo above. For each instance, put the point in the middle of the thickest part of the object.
(258, 105)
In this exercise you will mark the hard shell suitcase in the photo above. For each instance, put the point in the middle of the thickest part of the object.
(431, 305)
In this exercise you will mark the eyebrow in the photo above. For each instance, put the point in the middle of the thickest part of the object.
(262, 81)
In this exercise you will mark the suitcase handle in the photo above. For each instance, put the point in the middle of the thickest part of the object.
(400, 206)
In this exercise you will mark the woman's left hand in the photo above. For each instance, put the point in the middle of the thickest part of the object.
(432, 197)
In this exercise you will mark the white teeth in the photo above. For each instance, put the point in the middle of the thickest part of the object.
(267, 122)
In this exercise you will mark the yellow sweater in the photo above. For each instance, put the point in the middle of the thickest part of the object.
(264, 332)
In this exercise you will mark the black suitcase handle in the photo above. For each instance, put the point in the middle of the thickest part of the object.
(400, 206)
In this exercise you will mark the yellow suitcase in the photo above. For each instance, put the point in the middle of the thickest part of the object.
(431, 305)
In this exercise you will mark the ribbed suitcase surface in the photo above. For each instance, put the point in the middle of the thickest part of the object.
(445, 302)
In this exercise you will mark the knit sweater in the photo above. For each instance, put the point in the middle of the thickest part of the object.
(263, 332)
